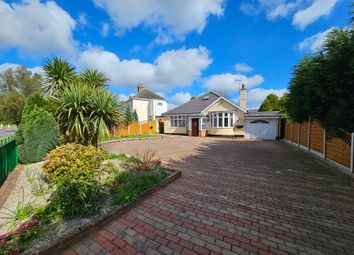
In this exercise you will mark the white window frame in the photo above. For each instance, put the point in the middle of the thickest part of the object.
(178, 121)
(222, 115)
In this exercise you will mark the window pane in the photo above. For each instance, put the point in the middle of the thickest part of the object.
(226, 121)
(215, 122)
(220, 121)
(231, 120)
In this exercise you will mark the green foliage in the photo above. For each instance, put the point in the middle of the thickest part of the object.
(78, 196)
(93, 78)
(59, 74)
(130, 116)
(130, 184)
(73, 168)
(322, 85)
(282, 106)
(87, 114)
(11, 105)
(37, 136)
(270, 103)
(17, 241)
(71, 159)
(36, 99)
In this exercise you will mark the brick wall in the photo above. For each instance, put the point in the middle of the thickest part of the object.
(334, 146)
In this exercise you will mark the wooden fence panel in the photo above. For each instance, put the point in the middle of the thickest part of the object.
(288, 131)
(338, 149)
(296, 133)
(145, 128)
(316, 137)
(304, 134)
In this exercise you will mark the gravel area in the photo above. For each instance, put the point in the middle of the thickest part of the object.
(21, 195)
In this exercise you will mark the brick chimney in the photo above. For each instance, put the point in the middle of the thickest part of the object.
(243, 97)
(140, 87)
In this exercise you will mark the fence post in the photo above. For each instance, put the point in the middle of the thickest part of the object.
(324, 143)
(352, 154)
(292, 132)
(308, 133)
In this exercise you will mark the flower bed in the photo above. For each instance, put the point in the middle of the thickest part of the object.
(84, 190)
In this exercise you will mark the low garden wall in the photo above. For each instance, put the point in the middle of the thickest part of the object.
(337, 147)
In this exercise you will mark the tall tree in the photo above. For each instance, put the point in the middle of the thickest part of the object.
(322, 85)
(20, 80)
(59, 74)
(11, 105)
(270, 103)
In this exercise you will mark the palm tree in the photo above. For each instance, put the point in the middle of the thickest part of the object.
(94, 78)
(87, 114)
(58, 73)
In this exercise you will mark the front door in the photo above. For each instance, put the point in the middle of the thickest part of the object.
(195, 127)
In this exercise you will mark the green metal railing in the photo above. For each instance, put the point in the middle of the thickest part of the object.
(8, 156)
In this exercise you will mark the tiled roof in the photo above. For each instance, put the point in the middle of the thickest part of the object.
(195, 106)
(148, 94)
(275, 114)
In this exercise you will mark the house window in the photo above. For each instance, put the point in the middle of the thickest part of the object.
(222, 120)
(159, 104)
(178, 121)
(204, 123)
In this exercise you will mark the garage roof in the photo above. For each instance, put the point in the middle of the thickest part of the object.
(269, 114)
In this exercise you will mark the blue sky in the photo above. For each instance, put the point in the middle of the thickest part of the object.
(178, 48)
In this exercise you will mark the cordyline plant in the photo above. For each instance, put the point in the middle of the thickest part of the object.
(86, 114)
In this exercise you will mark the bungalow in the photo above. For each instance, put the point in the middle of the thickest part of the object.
(208, 114)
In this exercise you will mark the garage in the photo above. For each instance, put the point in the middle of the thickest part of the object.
(262, 125)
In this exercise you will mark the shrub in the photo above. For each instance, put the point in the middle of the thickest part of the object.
(146, 161)
(73, 168)
(77, 196)
(36, 99)
(73, 159)
(129, 184)
(39, 134)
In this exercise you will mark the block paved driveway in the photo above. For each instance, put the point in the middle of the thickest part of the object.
(235, 197)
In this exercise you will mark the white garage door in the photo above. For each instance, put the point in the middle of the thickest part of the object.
(263, 129)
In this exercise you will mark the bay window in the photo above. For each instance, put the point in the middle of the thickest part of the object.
(222, 120)
(178, 121)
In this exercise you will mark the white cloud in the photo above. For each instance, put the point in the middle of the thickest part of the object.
(304, 12)
(315, 42)
(226, 83)
(174, 68)
(173, 18)
(5, 66)
(37, 27)
(105, 29)
(256, 96)
(123, 97)
(180, 98)
(273, 8)
(316, 10)
(243, 68)
(82, 19)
